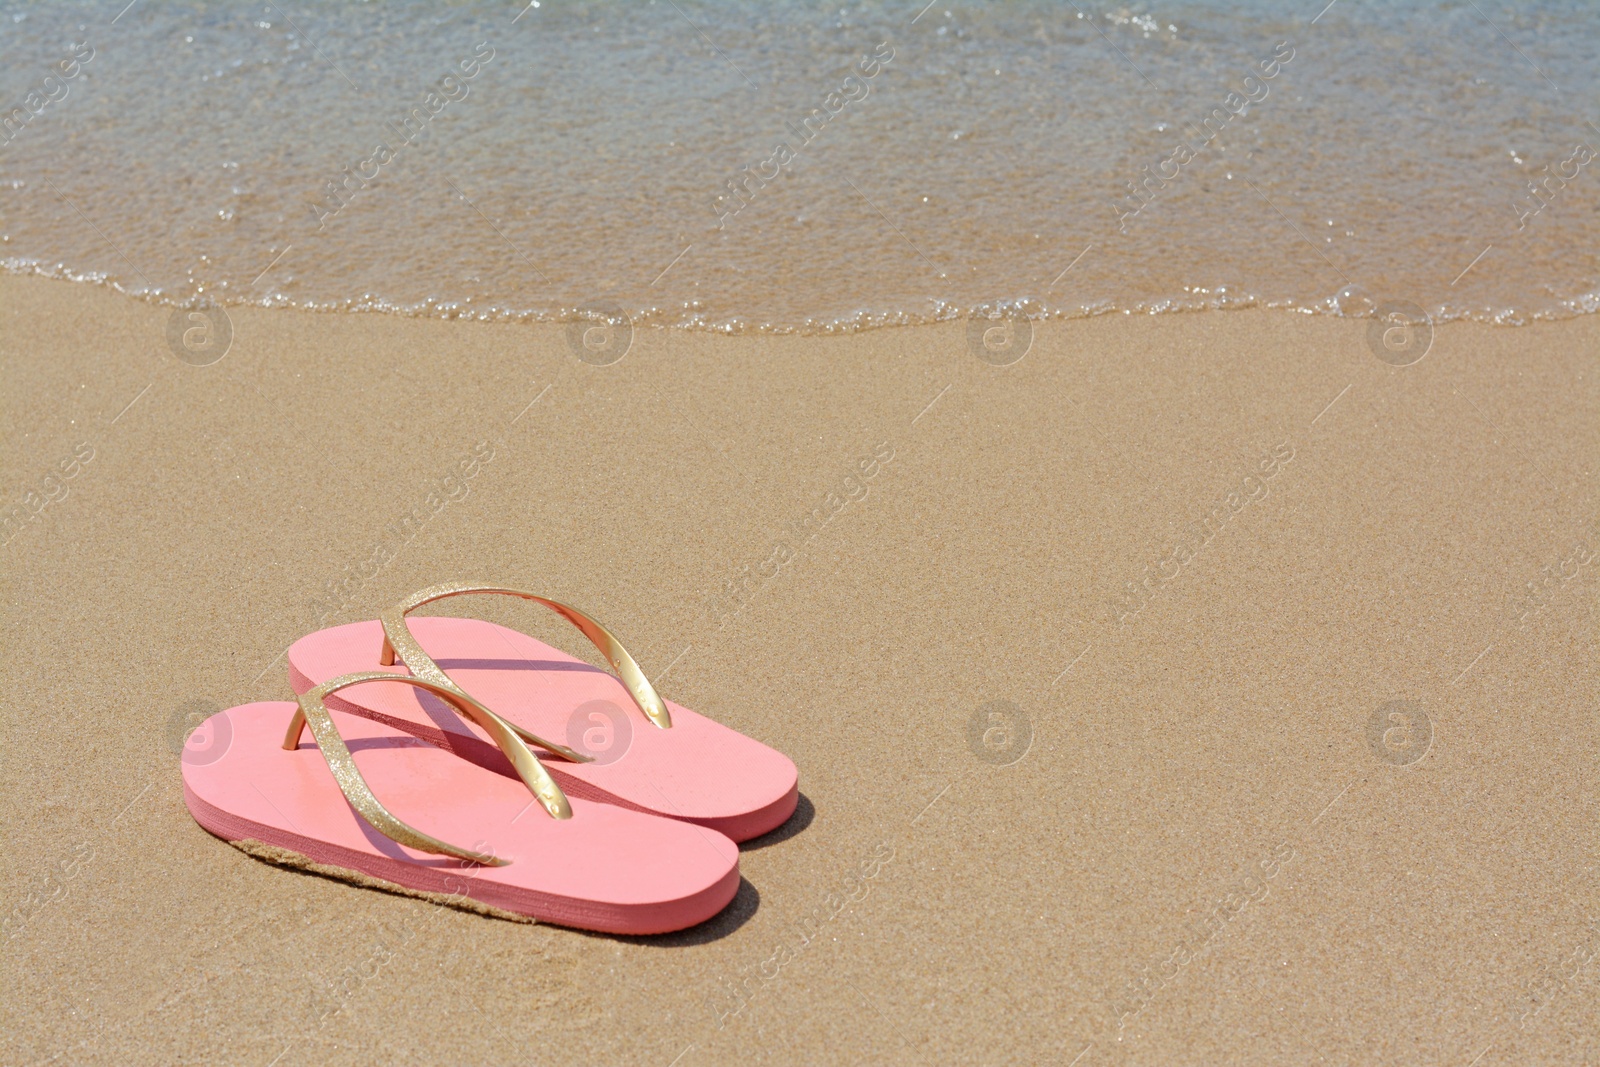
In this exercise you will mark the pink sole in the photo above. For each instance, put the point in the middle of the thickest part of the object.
(605, 869)
(699, 771)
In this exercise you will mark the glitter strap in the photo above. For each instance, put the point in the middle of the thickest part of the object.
(313, 712)
(398, 639)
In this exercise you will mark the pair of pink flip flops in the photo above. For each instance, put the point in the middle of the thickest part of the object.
(474, 764)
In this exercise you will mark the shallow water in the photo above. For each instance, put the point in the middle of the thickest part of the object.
(985, 161)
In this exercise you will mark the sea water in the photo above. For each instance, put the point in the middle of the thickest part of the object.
(808, 166)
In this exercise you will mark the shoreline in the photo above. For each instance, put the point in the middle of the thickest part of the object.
(1351, 303)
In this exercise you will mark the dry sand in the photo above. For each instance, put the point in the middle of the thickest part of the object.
(1424, 912)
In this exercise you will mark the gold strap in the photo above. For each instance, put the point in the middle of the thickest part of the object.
(398, 639)
(313, 712)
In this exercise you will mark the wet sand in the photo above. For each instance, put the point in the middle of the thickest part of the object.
(1319, 789)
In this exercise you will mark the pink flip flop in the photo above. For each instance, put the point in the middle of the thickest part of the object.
(656, 757)
(574, 863)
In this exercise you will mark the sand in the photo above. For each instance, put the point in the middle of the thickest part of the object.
(1186, 843)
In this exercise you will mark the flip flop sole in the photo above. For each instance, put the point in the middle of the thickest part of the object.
(698, 771)
(606, 868)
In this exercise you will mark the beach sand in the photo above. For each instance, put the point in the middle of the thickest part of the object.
(1410, 894)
